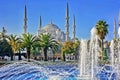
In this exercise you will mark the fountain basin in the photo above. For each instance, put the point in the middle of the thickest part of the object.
(31, 70)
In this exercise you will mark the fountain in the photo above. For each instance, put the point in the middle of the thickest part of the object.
(112, 52)
(118, 55)
(90, 53)
(89, 56)
(88, 68)
(84, 62)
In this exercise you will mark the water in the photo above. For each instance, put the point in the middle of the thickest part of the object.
(112, 52)
(89, 56)
(88, 68)
(29, 71)
(83, 56)
(119, 32)
(106, 73)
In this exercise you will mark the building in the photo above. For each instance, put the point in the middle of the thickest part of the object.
(54, 31)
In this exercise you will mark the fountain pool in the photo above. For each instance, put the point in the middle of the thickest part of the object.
(23, 70)
(30, 70)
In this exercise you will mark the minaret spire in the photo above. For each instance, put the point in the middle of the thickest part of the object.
(119, 18)
(40, 25)
(51, 22)
(67, 23)
(74, 26)
(25, 20)
(115, 31)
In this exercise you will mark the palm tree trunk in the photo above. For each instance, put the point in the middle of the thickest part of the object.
(76, 56)
(28, 55)
(11, 56)
(53, 57)
(19, 55)
(102, 50)
(45, 54)
(102, 45)
(64, 59)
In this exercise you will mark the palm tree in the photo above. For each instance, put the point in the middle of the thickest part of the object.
(46, 42)
(13, 41)
(19, 45)
(28, 41)
(55, 48)
(102, 31)
(5, 48)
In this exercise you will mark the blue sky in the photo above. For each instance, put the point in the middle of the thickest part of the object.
(87, 13)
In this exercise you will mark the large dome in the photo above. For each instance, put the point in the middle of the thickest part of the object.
(50, 26)
(55, 32)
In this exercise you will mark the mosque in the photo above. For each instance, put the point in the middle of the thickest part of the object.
(52, 28)
(55, 31)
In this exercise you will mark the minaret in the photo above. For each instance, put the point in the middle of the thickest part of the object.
(119, 19)
(115, 31)
(51, 22)
(25, 20)
(67, 23)
(3, 32)
(119, 24)
(74, 26)
(40, 25)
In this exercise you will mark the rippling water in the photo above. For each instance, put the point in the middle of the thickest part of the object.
(33, 71)
(23, 70)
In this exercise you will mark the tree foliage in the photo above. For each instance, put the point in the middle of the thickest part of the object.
(102, 31)
(46, 42)
(5, 48)
(13, 40)
(69, 47)
(28, 41)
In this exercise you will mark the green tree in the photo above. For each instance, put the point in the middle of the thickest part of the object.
(46, 42)
(76, 51)
(102, 31)
(19, 45)
(13, 40)
(55, 48)
(5, 48)
(35, 51)
(28, 41)
(68, 48)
